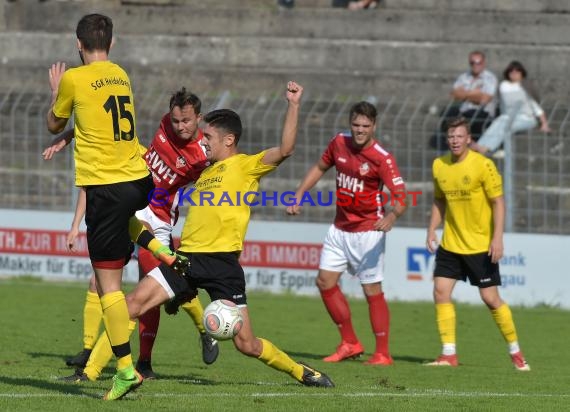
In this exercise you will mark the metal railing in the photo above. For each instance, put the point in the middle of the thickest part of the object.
(540, 163)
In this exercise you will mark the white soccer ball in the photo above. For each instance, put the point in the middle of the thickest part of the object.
(222, 319)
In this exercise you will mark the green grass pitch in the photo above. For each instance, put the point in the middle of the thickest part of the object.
(41, 324)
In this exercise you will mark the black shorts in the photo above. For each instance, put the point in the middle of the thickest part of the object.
(219, 274)
(109, 208)
(477, 267)
(179, 285)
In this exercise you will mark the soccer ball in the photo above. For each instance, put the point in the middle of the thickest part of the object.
(222, 319)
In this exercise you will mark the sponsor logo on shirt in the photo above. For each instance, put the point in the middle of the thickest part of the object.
(397, 181)
(180, 162)
(348, 182)
(160, 170)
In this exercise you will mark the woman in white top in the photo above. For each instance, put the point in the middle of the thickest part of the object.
(519, 111)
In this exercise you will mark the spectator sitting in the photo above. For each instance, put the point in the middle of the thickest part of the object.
(355, 4)
(476, 90)
(345, 4)
(286, 4)
(519, 109)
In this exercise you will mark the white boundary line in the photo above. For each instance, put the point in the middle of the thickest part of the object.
(331, 394)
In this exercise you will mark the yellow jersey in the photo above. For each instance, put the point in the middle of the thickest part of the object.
(106, 145)
(219, 205)
(467, 188)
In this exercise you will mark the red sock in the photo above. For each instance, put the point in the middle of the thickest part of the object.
(380, 321)
(147, 262)
(338, 308)
(148, 322)
(148, 326)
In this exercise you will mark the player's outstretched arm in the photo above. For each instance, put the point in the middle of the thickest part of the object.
(276, 155)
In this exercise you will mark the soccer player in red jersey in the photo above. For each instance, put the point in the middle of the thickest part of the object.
(356, 240)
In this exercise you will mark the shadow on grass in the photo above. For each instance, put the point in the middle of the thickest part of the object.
(400, 358)
(61, 387)
(35, 355)
(187, 379)
(412, 359)
(299, 356)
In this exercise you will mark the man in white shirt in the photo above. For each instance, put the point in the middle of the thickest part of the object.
(475, 90)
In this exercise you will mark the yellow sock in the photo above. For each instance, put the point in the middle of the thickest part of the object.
(504, 320)
(92, 315)
(116, 318)
(99, 358)
(195, 310)
(101, 355)
(135, 228)
(272, 356)
(445, 317)
(141, 236)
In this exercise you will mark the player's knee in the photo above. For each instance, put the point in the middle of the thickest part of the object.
(441, 295)
(93, 283)
(372, 289)
(492, 302)
(320, 283)
(324, 282)
(133, 305)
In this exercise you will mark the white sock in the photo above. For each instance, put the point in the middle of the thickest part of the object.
(448, 349)
(514, 347)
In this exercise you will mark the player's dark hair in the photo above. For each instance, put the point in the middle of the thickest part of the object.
(183, 97)
(365, 109)
(458, 122)
(95, 31)
(226, 120)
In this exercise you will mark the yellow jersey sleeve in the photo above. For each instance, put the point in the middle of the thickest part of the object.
(255, 167)
(437, 192)
(492, 181)
(220, 204)
(64, 103)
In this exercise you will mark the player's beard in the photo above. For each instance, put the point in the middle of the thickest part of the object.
(81, 56)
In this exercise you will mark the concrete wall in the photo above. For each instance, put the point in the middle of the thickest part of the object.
(391, 24)
(340, 64)
(404, 45)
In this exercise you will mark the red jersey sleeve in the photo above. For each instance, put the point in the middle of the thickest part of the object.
(390, 175)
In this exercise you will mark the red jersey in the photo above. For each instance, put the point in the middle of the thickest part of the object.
(360, 178)
(174, 163)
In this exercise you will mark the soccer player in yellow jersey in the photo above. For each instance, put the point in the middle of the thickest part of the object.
(214, 231)
(468, 198)
(110, 166)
